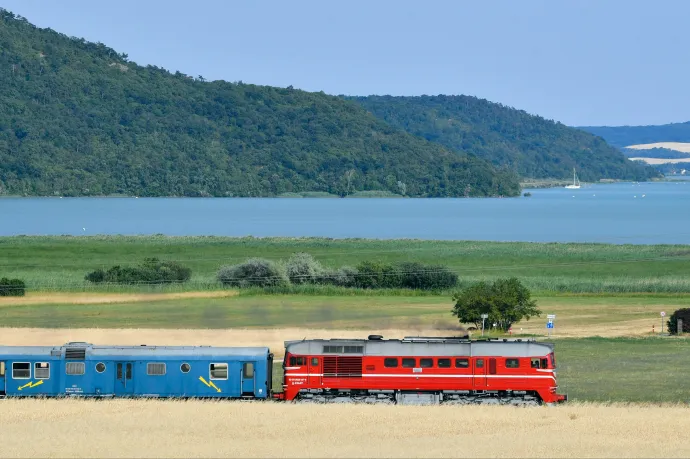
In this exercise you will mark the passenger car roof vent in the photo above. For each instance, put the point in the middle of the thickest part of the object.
(75, 351)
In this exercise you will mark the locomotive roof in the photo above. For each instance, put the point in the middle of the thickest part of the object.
(137, 351)
(421, 346)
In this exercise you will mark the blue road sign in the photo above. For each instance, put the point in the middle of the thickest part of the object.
(549, 325)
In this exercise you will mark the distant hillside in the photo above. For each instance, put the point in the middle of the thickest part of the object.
(624, 136)
(531, 145)
(78, 119)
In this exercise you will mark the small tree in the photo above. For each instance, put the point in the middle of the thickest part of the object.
(302, 268)
(506, 301)
(254, 272)
(672, 323)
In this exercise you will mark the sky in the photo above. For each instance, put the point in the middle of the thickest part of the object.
(580, 62)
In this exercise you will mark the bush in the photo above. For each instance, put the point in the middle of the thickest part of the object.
(12, 287)
(254, 272)
(419, 276)
(302, 268)
(672, 323)
(376, 274)
(151, 271)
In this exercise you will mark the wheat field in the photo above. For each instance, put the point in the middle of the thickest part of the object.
(155, 428)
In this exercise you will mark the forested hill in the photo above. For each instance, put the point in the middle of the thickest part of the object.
(531, 145)
(624, 136)
(76, 118)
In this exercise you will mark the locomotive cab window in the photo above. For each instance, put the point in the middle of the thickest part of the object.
(535, 362)
(297, 361)
(462, 363)
(544, 363)
(21, 370)
(390, 362)
(409, 363)
(42, 370)
(218, 371)
(426, 363)
(444, 363)
(512, 363)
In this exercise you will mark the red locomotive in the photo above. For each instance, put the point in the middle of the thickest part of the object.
(421, 370)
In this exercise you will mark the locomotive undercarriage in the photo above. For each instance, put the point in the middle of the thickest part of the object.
(390, 397)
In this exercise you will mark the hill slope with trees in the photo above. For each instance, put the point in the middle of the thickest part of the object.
(77, 118)
(531, 145)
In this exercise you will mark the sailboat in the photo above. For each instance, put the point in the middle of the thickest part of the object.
(576, 182)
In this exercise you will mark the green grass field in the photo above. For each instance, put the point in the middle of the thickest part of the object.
(357, 312)
(60, 263)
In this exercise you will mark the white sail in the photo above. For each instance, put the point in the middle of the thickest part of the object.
(576, 182)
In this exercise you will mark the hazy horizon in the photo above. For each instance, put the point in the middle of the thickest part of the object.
(583, 63)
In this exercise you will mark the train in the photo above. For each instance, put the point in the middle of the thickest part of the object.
(413, 370)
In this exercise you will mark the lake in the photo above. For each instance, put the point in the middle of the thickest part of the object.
(636, 213)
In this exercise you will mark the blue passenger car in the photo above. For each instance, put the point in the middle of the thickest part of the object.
(82, 369)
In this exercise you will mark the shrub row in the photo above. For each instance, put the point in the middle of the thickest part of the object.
(672, 322)
(12, 287)
(151, 271)
(302, 268)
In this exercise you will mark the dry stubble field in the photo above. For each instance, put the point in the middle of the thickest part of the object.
(72, 428)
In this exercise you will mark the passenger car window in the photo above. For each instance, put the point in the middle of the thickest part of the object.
(390, 362)
(426, 363)
(42, 370)
(74, 368)
(21, 370)
(248, 370)
(155, 369)
(444, 363)
(409, 363)
(462, 363)
(513, 363)
(218, 371)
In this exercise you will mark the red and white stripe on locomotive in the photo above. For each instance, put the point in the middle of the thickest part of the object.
(421, 370)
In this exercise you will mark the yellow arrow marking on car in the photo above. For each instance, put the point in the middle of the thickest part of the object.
(31, 384)
(208, 383)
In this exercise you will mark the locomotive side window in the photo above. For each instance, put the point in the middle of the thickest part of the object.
(332, 349)
(444, 363)
(390, 362)
(314, 362)
(513, 363)
(21, 370)
(42, 370)
(409, 363)
(462, 363)
(218, 371)
(426, 363)
(297, 361)
(480, 363)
